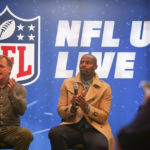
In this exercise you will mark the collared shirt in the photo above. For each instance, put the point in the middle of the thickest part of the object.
(87, 84)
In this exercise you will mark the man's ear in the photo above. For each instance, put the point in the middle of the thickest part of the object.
(10, 69)
(96, 67)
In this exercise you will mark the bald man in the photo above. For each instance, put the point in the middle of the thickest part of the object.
(84, 106)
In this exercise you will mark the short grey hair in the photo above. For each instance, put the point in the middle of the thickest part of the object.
(9, 62)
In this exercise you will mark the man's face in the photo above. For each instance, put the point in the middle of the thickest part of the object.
(5, 70)
(87, 65)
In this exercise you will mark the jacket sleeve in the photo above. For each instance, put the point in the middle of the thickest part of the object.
(63, 105)
(100, 113)
(18, 99)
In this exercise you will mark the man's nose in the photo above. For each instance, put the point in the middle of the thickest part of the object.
(83, 64)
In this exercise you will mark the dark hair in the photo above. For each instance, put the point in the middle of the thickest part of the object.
(9, 62)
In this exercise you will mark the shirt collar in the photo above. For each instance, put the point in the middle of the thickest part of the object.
(96, 80)
(87, 82)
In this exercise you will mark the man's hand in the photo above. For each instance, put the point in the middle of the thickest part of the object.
(146, 87)
(80, 101)
(73, 101)
(11, 85)
(147, 98)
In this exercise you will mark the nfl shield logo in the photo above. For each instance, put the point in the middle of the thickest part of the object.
(20, 40)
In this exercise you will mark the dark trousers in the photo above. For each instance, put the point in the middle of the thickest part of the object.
(17, 137)
(64, 136)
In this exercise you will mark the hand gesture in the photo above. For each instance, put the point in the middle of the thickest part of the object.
(11, 85)
(79, 100)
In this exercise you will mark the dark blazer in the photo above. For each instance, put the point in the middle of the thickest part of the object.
(136, 135)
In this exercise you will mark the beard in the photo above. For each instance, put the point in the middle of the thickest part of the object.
(85, 73)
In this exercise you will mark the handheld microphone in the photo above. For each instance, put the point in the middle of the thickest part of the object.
(75, 86)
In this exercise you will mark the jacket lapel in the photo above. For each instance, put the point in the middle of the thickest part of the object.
(92, 92)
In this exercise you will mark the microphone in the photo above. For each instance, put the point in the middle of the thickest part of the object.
(75, 86)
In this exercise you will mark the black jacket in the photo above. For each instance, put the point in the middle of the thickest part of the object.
(136, 135)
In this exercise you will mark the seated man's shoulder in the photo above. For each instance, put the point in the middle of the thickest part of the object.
(69, 80)
(104, 83)
(19, 87)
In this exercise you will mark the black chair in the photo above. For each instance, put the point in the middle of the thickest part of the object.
(5, 146)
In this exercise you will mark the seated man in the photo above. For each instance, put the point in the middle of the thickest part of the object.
(84, 106)
(12, 105)
(136, 135)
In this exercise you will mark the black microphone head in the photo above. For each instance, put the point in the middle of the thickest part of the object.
(75, 86)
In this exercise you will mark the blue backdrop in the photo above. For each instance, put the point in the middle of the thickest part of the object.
(117, 32)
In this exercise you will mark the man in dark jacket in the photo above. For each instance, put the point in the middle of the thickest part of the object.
(12, 105)
(136, 135)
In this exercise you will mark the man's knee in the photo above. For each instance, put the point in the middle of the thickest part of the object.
(103, 145)
(55, 132)
(26, 135)
(52, 132)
